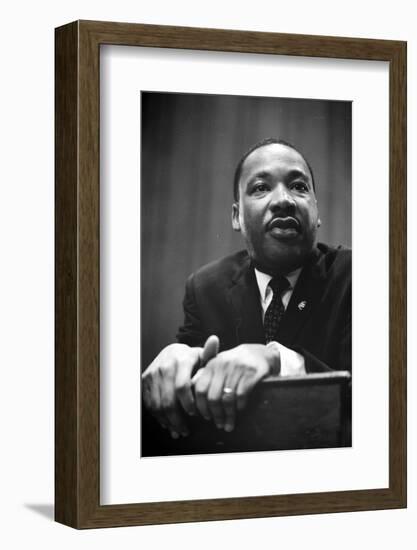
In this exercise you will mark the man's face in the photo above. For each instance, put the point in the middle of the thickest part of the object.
(277, 209)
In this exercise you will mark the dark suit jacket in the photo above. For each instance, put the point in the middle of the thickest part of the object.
(222, 298)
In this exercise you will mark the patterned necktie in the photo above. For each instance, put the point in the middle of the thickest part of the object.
(276, 309)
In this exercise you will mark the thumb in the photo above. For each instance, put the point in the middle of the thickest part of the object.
(210, 350)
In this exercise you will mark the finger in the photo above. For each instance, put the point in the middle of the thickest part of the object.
(152, 398)
(229, 398)
(201, 385)
(210, 350)
(194, 381)
(146, 391)
(245, 386)
(183, 385)
(161, 419)
(215, 391)
(196, 377)
(169, 407)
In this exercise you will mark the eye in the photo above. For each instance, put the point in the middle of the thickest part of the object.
(300, 186)
(260, 187)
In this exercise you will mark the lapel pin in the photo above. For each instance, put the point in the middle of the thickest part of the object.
(302, 305)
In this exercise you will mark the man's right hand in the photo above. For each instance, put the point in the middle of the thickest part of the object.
(166, 383)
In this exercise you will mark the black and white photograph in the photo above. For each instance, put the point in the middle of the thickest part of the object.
(246, 273)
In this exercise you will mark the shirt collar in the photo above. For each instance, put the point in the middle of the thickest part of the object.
(263, 280)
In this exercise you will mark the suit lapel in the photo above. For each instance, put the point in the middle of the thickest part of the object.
(245, 301)
(244, 298)
(304, 300)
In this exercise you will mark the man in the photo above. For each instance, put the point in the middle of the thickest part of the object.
(282, 306)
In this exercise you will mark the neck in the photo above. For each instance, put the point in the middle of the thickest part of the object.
(284, 268)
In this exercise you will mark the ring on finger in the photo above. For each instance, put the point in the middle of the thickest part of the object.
(228, 393)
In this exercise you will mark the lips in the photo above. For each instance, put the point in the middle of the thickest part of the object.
(284, 228)
(285, 223)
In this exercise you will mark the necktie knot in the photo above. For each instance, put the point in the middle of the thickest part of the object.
(279, 284)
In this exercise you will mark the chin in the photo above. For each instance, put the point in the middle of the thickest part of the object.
(284, 260)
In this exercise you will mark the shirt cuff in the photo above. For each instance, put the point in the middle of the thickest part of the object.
(291, 362)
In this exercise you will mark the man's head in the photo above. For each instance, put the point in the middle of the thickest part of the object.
(275, 206)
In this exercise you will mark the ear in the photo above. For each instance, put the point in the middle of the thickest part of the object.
(235, 217)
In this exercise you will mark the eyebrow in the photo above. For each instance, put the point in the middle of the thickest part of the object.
(292, 174)
(297, 174)
(262, 174)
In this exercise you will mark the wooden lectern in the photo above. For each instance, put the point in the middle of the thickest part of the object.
(304, 412)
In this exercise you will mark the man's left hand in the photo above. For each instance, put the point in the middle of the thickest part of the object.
(222, 387)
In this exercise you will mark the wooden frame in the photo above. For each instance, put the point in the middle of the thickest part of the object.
(77, 405)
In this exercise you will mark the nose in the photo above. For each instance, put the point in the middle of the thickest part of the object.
(281, 198)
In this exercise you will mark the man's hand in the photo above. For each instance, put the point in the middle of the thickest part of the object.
(166, 383)
(223, 386)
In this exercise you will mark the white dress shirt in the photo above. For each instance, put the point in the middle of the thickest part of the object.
(292, 363)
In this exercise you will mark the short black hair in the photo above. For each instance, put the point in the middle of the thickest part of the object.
(262, 143)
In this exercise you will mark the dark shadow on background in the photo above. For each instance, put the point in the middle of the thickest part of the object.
(45, 510)
(190, 145)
